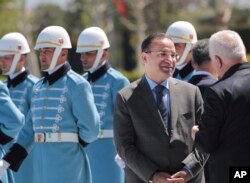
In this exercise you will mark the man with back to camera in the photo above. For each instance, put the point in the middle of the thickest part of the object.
(224, 127)
(205, 69)
(105, 81)
(204, 76)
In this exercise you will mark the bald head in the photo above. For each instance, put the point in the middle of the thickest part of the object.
(226, 49)
(228, 45)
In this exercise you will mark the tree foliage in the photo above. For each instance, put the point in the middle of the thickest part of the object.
(46, 15)
(126, 22)
(9, 16)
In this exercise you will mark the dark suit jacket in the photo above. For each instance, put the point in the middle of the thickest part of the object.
(139, 133)
(202, 81)
(225, 124)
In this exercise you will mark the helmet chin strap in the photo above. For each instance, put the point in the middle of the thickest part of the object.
(12, 69)
(97, 60)
(54, 59)
(184, 54)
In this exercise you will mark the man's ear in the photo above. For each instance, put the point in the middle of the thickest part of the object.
(144, 57)
(64, 52)
(105, 54)
(194, 65)
(23, 58)
(219, 60)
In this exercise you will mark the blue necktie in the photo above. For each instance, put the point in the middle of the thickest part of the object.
(162, 106)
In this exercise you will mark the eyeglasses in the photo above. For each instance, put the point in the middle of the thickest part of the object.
(163, 54)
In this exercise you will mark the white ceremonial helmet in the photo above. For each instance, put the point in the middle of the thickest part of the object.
(182, 32)
(90, 39)
(13, 43)
(53, 37)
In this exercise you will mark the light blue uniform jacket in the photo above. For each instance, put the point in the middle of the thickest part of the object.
(105, 83)
(62, 103)
(11, 122)
(20, 89)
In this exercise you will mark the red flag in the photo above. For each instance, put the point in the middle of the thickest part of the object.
(121, 7)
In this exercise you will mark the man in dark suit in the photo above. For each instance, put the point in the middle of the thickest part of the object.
(153, 137)
(205, 72)
(204, 76)
(224, 127)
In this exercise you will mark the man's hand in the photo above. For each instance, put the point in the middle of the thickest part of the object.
(4, 165)
(182, 174)
(163, 177)
(195, 129)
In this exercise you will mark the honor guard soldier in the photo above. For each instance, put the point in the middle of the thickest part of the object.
(13, 53)
(63, 117)
(93, 46)
(184, 37)
(11, 122)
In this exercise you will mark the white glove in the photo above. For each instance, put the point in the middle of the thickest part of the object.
(119, 161)
(4, 165)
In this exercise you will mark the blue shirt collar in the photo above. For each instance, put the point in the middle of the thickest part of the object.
(153, 84)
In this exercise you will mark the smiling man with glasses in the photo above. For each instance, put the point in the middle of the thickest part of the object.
(163, 54)
(153, 120)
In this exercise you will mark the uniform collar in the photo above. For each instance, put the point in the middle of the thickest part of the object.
(51, 78)
(184, 71)
(98, 73)
(17, 80)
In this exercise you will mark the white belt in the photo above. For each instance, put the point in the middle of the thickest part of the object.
(56, 137)
(106, 134)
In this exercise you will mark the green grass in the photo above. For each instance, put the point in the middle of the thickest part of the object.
(2, 78)
(248, 57)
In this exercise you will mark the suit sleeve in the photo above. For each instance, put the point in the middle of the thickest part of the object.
(206, 139)
(124, 136)
(196, 159)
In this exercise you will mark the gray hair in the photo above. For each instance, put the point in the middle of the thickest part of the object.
(200, 52)
(227, 44)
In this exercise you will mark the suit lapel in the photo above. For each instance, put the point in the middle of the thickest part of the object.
(150, 101)
(173, 101)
